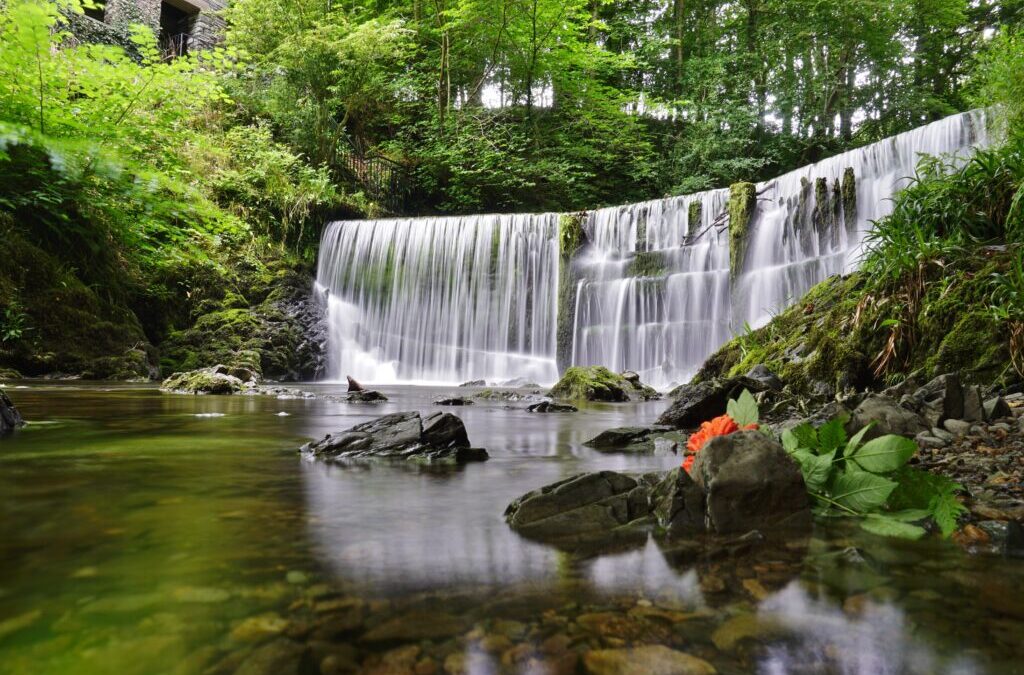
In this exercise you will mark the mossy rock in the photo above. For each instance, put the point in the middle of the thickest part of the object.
(215, 380)
(597, 383)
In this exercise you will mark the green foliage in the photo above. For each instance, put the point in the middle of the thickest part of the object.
(743, 410)
(14, 323)
(871, 480)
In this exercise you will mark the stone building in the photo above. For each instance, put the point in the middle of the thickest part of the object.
(181, 26)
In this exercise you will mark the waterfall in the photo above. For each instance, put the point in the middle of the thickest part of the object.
(657, 287)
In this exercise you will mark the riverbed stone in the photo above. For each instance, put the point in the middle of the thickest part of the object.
(696, 403)
(636, 440)
(597, 383)
(213, 380)
(996, 408)
(589, 504)
(366, 396)
(678, 503)
(439, 437)
(974, 410)
(645, 660)
(10, 418)
(453, 401)
(888, 416)
(551, 407)
(941, 399)
(280, 657)
(750, 483)
(416, 625)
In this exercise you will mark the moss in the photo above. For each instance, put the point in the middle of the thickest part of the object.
(694, 217)
(647, 264)
(571, 239)
(742, 202)
(848, 190)
(597, 383)
(214, 380)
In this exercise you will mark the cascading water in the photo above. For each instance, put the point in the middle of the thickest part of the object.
(441, 299)
(658, 287)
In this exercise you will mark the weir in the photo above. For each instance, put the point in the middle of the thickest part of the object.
(653, 287)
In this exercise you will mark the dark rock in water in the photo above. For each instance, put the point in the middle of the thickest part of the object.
(584, 506)
(366, 396)
(696, 403)
(996, 408)
(353, 385)
(439, 437)
(280, 657)
(474, 383)
(637, 439)
(939, 400)
(10, 418)
(551, 407)
(631, 377)
(213, 380)
(597, 383)
(750, 483)
(761, 374)
(889, 417)
(1006, 537)
(504, 395)
(453, 400)
(678, 503)
(519, 383)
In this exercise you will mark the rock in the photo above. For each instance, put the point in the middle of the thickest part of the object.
(631, 377)
(939, 400)
(745, 626)
(244, 374)
(519, 383)
(453, 401)
(942, 434)
(213, 380)
(696, 403)
(646, 660)
(366, 396)
(474, 383)
(1006, 537)
(551, 407)
(636, 440)
(439, 437)
(10, 418)
(258, 628)
(889, 418)
(597, 383)
(280, 657)
(353, 385)
(974, 410)
(957, 427)
(588, 504)
(761, 374)
(996, 408)
(504, 395)
(416, 625)
(678, 503)
(750, 483)
(926, 440)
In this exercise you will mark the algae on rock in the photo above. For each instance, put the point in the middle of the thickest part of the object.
(597, 383)
(742, 203)
(571, 239)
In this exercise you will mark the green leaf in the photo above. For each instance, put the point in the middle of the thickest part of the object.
(790, 441)
(743, 410)
(852, 444)
(946, 509)
(885, 454)
(861, 491)
(816, 468)
(806, 436)
(832, 436)
(890, 527)
(909, 515)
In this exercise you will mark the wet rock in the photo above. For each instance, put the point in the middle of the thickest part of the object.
(280, 657)
(1006, 537)
(10, 418)
(258, 628)
(551, 407)
(353, 385)
(504, 395)
(439, 437)
(453, 401)
(585, 505)
(474, 383)
(520, 383)
(743, 627)
(678, 503)
(889, 417)
(750, 483)
(974, 410)
(597, 383)
(761, 374)
(696, 403)
(636, 439)
(926, 440)
(416, 625)
(213, 380)
(646, 660)
(631, 376)
(939, 400)
(366, 396)
(996, 408)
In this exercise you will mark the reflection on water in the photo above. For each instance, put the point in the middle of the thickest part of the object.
(149, 533)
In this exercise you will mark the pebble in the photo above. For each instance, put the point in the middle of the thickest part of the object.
(957, 427)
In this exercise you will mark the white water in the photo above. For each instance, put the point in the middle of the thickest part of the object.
(475, 297)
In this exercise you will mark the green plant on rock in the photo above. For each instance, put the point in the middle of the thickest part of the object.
(871, 480)
(14, 323)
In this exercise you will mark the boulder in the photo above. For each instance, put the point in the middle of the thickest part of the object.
(474, 383)
(551, 407)
(637, 440)
(213, 380)
(678, 503)
(939, 400)
(696, 403)
(585, 505)
(750, 483)
(453, 401)
(996, 408)
(889, 417)
(631, 376)
(597, 383)
(10, 418)
(760, 373)
(353, 385)
(519, 382)
(439, 437)
(366, 396)
(974, 409)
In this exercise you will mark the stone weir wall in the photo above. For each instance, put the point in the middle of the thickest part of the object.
(653, 287)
